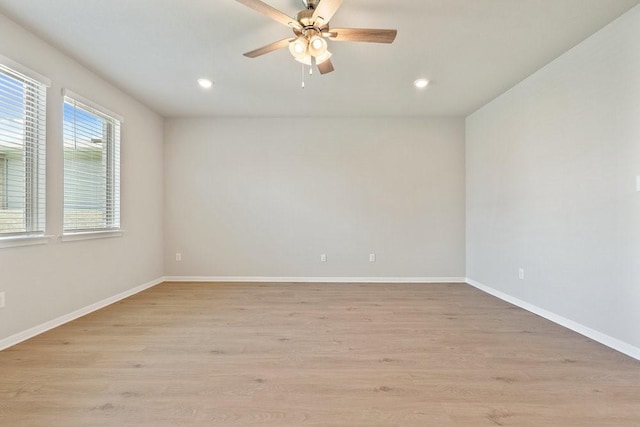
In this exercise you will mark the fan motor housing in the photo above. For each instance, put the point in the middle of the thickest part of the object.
(305, 17)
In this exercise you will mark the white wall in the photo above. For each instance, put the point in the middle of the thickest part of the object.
(52, 280)
(265, 197)
(551, 170)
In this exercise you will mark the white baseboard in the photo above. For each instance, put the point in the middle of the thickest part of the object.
(604, 339)
(250, 279)
(37, 330)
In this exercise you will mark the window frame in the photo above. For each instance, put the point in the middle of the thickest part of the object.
(33, 147)
(112, 132)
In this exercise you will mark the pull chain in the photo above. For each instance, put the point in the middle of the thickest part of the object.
(302, 76)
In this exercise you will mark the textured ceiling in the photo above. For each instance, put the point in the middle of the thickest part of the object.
(471, 50)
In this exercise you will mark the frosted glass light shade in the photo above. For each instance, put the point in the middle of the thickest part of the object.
(317, 46)
(306, 60)
(298, 47)
(320, 59)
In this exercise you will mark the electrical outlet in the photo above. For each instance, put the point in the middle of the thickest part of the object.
(323, 258)
(372, 257)
(2, 299)
(521, 274)
(178, 256)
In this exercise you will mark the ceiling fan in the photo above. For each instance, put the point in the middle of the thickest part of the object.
(310, 29)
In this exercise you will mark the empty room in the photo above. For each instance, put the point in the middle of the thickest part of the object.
(320, 213)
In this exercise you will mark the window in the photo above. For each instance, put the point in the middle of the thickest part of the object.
(91, 167)
(22, 151)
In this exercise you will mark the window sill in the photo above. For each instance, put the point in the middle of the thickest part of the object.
(17, 241)
(90, 235)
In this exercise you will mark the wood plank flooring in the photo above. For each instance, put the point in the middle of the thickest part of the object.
(315, 355)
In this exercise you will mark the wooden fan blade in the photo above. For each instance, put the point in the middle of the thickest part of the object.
(325, 11)
(271, 12)
(362, 35)
(326, 67)
(268, 48)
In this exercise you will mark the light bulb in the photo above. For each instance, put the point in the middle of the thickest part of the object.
(421, 83)
(298, 47)
(205, 83)
(317, 46)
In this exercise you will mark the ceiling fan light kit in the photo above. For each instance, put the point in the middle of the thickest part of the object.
(311, 29)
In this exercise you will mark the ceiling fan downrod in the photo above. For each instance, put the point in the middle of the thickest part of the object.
(310, 4)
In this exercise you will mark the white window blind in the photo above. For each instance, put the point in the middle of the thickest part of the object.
(91, 168)
(22, 152)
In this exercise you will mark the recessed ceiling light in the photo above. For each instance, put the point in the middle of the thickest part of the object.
(421, 83)
(205, 83)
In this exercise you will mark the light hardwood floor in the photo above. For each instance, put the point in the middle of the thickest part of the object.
(316, 355)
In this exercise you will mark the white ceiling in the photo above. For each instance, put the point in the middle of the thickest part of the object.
(471, 50)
